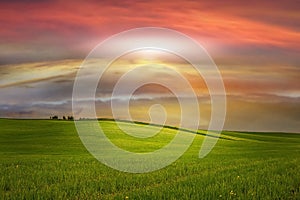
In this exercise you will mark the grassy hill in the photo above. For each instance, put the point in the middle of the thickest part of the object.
(45, 159)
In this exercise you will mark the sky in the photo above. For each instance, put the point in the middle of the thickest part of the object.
(255, 44)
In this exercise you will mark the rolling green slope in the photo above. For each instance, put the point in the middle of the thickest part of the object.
(45, 159)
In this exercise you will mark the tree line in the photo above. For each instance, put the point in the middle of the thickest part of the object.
(63, 117)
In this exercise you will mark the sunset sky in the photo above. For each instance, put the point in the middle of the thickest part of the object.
(255, 44)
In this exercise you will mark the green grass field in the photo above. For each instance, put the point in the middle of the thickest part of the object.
(45, 159)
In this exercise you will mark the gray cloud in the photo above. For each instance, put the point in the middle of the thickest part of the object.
(23, 95)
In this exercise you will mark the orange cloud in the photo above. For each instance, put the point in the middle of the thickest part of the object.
(255, 44)
(211, 21)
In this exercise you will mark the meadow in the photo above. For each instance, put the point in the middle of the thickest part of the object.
(45, 159)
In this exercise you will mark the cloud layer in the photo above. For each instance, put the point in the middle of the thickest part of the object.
(255, 44)
(257, 103)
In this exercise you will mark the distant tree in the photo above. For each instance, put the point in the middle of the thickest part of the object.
(55, 117)
(70, 118)
(64, 118)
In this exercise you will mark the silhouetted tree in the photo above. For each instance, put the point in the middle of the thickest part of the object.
(70, 118)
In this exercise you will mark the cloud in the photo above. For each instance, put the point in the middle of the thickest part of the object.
(31, 73)
(255, 44)
(67, 30)
(265, 100)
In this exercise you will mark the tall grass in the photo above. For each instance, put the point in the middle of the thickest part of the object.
(45, 159)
